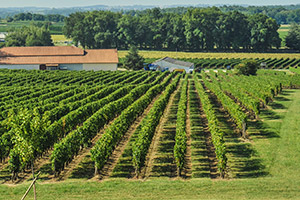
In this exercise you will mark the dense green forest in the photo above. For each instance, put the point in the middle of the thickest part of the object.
(196, 30)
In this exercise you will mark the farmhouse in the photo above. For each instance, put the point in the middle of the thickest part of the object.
(58, 58)
(172, 64)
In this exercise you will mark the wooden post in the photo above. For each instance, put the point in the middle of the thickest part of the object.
(34, 189)
(33, 182)
(244, 130)
(137, 172)
(96, 171)
(222, 173)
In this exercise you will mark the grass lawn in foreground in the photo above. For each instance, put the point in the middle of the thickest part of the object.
(277, 144)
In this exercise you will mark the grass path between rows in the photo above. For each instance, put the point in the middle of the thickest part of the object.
(278, 146)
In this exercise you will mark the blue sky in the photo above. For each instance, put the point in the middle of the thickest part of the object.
(71, 3)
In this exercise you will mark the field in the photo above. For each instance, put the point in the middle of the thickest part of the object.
(295, 70)
(222, 60)
(173, 54)
(60, 40)
(156, 135)
(283, 31)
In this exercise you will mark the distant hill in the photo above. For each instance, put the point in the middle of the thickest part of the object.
(5, 12)
(276, 12)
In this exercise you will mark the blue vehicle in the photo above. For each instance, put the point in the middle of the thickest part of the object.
(151, 67)
(165, 69)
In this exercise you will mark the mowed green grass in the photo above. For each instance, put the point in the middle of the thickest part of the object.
(296, 70)
(282, 35)
(281, 152)
(267, 188)
(277, 143)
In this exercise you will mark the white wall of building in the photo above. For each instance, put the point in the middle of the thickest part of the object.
(72, 67)
(20, 67)
(171, 66)
(97, 67)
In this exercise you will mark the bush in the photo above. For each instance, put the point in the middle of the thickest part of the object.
(133, 60)
(247, 67)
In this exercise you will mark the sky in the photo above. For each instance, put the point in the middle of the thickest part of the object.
(74, 3)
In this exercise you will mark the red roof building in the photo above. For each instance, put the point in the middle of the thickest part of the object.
(64, 57)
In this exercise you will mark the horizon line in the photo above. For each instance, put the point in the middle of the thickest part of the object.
(148, 5)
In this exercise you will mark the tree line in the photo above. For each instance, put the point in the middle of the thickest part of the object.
(197, 29)
(282, 14)
(36, 17)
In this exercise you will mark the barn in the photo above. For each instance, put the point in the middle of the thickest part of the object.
(58, 58)
(172, 64)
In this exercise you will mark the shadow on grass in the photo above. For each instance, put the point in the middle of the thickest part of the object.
(168, 134)
(245, 163)
(261, 130)
(5, 175)
(275, 105)
(270, 114)
(123, 170)
(282, 98)
(243, 150)
(287, 92)
(85, 169)
(124, 167)
(46, 169)
(250, 168)
(200, 174)
(164, 170)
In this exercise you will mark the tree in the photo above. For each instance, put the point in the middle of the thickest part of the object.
(247, 67)
(127, 27)
(15, 39)
(74, 28)
(264, 33)
(133, 60)
(200, 28)
(233, 31)
(175, 38)
(9, 19)
(292, 40)
(29, 36)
